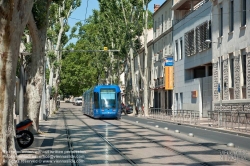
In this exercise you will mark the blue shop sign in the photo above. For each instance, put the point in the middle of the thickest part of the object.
(169, 61)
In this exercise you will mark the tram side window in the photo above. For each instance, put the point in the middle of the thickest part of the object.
(96, 100)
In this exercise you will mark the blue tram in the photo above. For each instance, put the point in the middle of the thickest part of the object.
(102, 101)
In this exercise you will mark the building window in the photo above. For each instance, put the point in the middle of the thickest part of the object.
(244, 13)
(181, 48)
(158, 28)
(176, 50)
(231, 18)
(162, 23)
(222, 76)
(165, 24)
(210, 70)
(177, 101)
(243, 63)
(221, 21)
(181, 100)
(199, 72)
(155, 27)
(231, 65)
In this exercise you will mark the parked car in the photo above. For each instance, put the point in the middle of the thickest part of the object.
(129, 109)
(78, 101)
(75, 99)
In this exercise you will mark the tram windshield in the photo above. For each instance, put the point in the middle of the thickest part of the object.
(108, 98)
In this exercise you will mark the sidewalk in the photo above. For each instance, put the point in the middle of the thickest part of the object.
(40, 152)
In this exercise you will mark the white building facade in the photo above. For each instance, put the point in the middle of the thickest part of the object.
(192, 56)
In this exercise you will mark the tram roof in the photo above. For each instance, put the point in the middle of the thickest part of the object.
(98, 87)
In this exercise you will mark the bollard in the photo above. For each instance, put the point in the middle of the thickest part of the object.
(157, 126)
(137, 122)
(230, 144)
(191, 134)
(177, 131)
(166, 128)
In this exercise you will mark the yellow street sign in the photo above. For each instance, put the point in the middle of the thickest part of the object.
(105, 48)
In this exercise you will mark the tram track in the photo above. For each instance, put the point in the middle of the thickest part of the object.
(70, 142)
(130, 161)
(150, 140)
(192, 142)
(144, 138)
(163, 146)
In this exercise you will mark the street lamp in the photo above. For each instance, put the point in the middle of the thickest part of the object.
(220, 87)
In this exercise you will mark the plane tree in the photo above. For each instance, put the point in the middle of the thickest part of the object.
(14, 13)
(131, 15)
(37, 26)
(56, 41)
(83, 64)
(46, 25)
(112, 29)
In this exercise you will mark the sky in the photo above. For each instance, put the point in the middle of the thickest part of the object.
(87, 6)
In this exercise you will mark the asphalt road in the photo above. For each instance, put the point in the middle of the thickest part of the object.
(242, 142)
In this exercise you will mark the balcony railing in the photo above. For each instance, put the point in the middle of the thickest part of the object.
(159, 83)
(197, 6)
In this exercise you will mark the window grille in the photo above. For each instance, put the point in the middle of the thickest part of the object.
(187, 52)
(201, 36)
(189, 43)
(195, 39)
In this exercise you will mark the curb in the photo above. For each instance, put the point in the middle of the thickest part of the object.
(204, 127)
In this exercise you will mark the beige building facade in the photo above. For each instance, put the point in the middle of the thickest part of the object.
(161, 50)
(231, 54)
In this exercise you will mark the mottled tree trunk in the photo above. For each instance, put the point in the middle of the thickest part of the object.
(145, 75)
(35, 71)
(53, 70)
(134, 93)
(14, 15)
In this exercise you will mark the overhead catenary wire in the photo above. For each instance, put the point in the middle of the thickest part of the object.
(183, 18)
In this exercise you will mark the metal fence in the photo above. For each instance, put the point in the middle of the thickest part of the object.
(235, 120)
(179, 116)
(228, 119)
